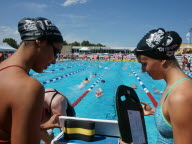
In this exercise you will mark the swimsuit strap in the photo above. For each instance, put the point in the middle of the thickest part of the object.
(170, 89)
(56, 92)
(13, 66)
(49, 91)
(4, 141)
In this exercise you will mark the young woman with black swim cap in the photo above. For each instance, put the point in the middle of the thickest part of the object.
(21, 95)
(173, 114)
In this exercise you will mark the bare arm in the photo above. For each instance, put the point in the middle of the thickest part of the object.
(49, 125)
(45, 137)
(26, 112)
(180, 115)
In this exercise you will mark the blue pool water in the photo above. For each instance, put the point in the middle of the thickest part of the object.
(114, 73)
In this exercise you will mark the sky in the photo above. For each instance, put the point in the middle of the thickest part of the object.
(114, 23)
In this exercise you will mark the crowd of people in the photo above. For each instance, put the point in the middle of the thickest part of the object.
(28, 110)
(4, 56)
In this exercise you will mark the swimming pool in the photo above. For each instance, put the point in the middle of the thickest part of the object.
(67, 77)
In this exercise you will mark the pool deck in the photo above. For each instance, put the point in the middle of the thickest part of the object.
(97, 140)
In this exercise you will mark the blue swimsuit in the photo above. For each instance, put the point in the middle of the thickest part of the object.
(165, 135)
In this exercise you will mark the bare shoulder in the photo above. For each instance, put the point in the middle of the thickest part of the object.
(59, 99)
(180, 112)
(180, 102)
(49, 89)
(31, 84)
(25, 89)
(182, 94)
(59, 104)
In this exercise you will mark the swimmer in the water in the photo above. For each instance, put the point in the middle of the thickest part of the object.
(134, 86)
(99, 92)
(86, 81)
(129, 73)
(156, 90)
(103, 81)
(82, 85)
(94, 75)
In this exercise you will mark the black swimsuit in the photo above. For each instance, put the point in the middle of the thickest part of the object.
(70, 110)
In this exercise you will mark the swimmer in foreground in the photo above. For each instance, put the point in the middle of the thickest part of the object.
(55, 103)
(21, 95)
(173, 114)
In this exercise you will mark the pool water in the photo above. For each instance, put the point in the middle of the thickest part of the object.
(115, 73)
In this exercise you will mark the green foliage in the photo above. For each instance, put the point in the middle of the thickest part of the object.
(14, 44)
(11, 42)
(100, 45)
(75, 43)
(65, 42)
(85, 43)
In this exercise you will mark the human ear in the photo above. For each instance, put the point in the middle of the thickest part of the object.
(38, 42)
(163, 61)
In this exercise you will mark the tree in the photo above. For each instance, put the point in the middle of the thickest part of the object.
(11, 42)
(75, 43)
(65, 42)
(100, 45)
(85, 43)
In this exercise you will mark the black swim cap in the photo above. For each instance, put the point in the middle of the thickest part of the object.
(39, 29)
(159, 44)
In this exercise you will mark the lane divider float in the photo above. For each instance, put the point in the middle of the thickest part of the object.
(145, 89)
(52, 70)
(66, 75)
(91, 87)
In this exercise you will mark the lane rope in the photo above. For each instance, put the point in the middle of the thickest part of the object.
(66, 75)
(90, 88)
(145, 89)
(52, 70)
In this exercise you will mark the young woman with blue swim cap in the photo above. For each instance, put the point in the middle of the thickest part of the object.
(173, 114)
(21, 95)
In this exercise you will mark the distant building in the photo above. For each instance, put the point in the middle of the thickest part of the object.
(78, 50)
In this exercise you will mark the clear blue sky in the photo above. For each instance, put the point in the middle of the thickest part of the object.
(110, 22)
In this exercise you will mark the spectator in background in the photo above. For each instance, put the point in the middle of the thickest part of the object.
(184, 62)
(189, 63)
